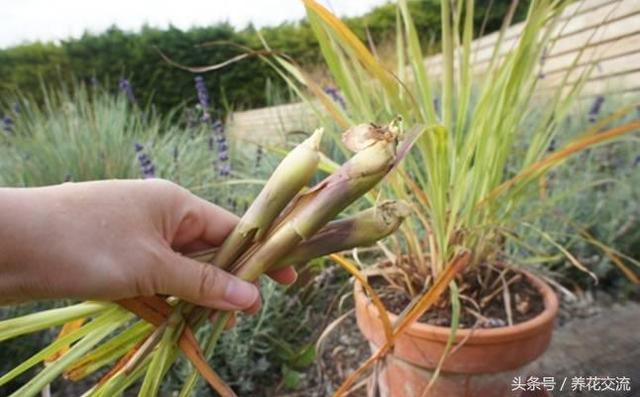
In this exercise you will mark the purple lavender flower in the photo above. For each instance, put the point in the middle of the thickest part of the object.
(7, 124)
(336, 96)
(125, 86)
(17, 108)
(595, 108)
(218, 134)
(146, 165)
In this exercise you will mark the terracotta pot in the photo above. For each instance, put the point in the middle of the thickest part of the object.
(484, 365)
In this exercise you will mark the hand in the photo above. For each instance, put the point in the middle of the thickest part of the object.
(116, 239)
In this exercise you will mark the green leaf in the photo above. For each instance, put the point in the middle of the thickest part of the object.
(49, 318)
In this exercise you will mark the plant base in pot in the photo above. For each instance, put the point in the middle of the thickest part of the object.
(483, 366)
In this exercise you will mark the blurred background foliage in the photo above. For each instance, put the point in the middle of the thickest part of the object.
(115, 54)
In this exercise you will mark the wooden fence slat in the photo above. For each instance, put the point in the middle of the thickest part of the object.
(627, 23)
(607, 31)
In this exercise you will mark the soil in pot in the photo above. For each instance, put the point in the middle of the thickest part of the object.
(482, 299)
(494, 339)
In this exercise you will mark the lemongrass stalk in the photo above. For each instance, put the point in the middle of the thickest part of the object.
(361, 230)
(314, 209)
(49, 318)
(291, 175)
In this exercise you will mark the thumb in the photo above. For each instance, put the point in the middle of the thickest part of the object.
(204, 284)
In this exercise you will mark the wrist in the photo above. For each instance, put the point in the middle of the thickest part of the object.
(23, 239)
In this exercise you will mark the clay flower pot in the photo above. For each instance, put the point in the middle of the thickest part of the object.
(484, 365)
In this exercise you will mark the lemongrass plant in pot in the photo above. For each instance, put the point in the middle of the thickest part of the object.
(480, 158)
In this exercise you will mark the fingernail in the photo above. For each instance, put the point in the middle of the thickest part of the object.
(240, 293)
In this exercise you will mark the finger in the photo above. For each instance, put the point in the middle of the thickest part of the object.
(203, 284)
(203, 225)
(286, 275)
(255, 307)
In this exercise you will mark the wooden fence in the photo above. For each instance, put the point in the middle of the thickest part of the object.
(606, 31)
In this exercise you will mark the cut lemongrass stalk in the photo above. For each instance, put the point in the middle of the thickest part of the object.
(291, 175)
(49, 318)
(315, 208)
(361, 230)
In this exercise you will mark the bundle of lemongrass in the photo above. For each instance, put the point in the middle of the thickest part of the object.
(285, 225)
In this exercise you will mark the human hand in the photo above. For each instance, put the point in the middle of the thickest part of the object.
(117, 239)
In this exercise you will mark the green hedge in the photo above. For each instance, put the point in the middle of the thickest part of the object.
(107, 57)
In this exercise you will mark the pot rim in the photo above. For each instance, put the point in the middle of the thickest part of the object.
(483, 335)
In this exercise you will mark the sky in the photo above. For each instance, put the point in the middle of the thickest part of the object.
(46, 20)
